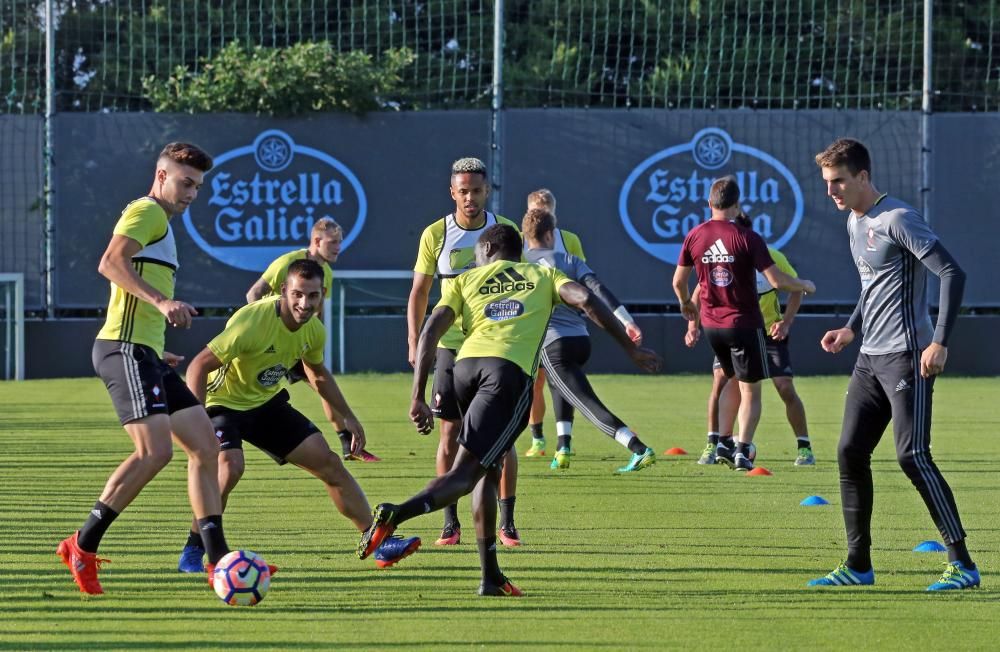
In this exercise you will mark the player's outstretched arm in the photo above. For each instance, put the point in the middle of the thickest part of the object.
(322, 381)
(437, 325)
(786, 282)
(579, 297)
(258, 290)
(197, 372)
(116, 266)
(416, 309)
(605, 294)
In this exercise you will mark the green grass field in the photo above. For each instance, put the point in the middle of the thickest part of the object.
(677, 556)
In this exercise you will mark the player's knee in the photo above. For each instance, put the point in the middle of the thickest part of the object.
(910, 461)
(332, 471)
(156, 457)
(786, 389)
(231, 469)
(849, 454)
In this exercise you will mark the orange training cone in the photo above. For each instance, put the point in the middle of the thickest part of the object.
(675, 451)
(760, 470)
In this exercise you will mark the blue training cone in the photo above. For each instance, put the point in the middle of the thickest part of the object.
(929, 546)
(815, 500)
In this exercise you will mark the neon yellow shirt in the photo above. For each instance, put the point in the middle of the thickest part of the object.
(572, 243)
(257, 350)
(278, 269)
(129, 318)
(447, 250)
(505, 308)
(770, 307)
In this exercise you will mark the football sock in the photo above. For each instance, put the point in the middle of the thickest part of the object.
(100, 519)
(859, 560)
(803, 441)
(713, 438)
(536, 430)
(743, 448)
(345, 441)
(564, 441)
(215, 541)
(564, 428)
(636, 445)
(194, 539)
(727, 441)
(958, 552)
(451, 515)
(488, 560)
(507, 512)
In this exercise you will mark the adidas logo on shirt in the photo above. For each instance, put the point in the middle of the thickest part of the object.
(506, 281)
(717, 254)
(270, 349)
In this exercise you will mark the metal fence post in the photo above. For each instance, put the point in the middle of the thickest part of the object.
(496, 110)
(926, 108)
(50, 110)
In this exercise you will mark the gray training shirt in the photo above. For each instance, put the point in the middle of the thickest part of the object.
(565, 321)
(887, 244)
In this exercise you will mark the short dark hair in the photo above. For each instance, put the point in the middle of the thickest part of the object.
(305, 268)
(725, 193)
(187, 154)
(744, 220)
(849, 152)
(537, 222)
(468, 165)
(505, 238)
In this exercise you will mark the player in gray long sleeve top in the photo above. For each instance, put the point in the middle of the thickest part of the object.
(901, 354)
(566, 349)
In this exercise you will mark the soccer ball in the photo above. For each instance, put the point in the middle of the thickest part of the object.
(241, 578)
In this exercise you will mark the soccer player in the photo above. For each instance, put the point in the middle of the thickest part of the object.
(505, 305)
(566, 348)
(150, 398)
(725, 256)
(324, 248)
(566, 242)
(776, 328)
(447, 250)
(239, 375)
(901, 353)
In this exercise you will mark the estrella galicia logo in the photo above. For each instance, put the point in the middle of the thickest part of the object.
(272, 375)
(503, 309)
(666, 195)
(265, 198)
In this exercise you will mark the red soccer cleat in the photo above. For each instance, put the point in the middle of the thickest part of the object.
(451, 535)
(82, 564)
(506, 589)
(509, 537)
(363, 456)
(381, 529)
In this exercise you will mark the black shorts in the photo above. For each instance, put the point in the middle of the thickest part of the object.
(779, 361)
(444, 404)
(495, 396)
(274, 427)
(139, 382)
(740, 351)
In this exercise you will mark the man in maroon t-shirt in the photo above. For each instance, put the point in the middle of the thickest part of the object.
(726, 256)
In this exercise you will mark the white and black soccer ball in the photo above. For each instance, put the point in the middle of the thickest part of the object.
(241, 578)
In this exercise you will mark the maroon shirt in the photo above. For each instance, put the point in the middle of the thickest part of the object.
(725, 256)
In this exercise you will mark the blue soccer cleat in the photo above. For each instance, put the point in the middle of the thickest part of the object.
(956, 576)
(639, 461)
(394, 549)
(191, 560)
(844, 576)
